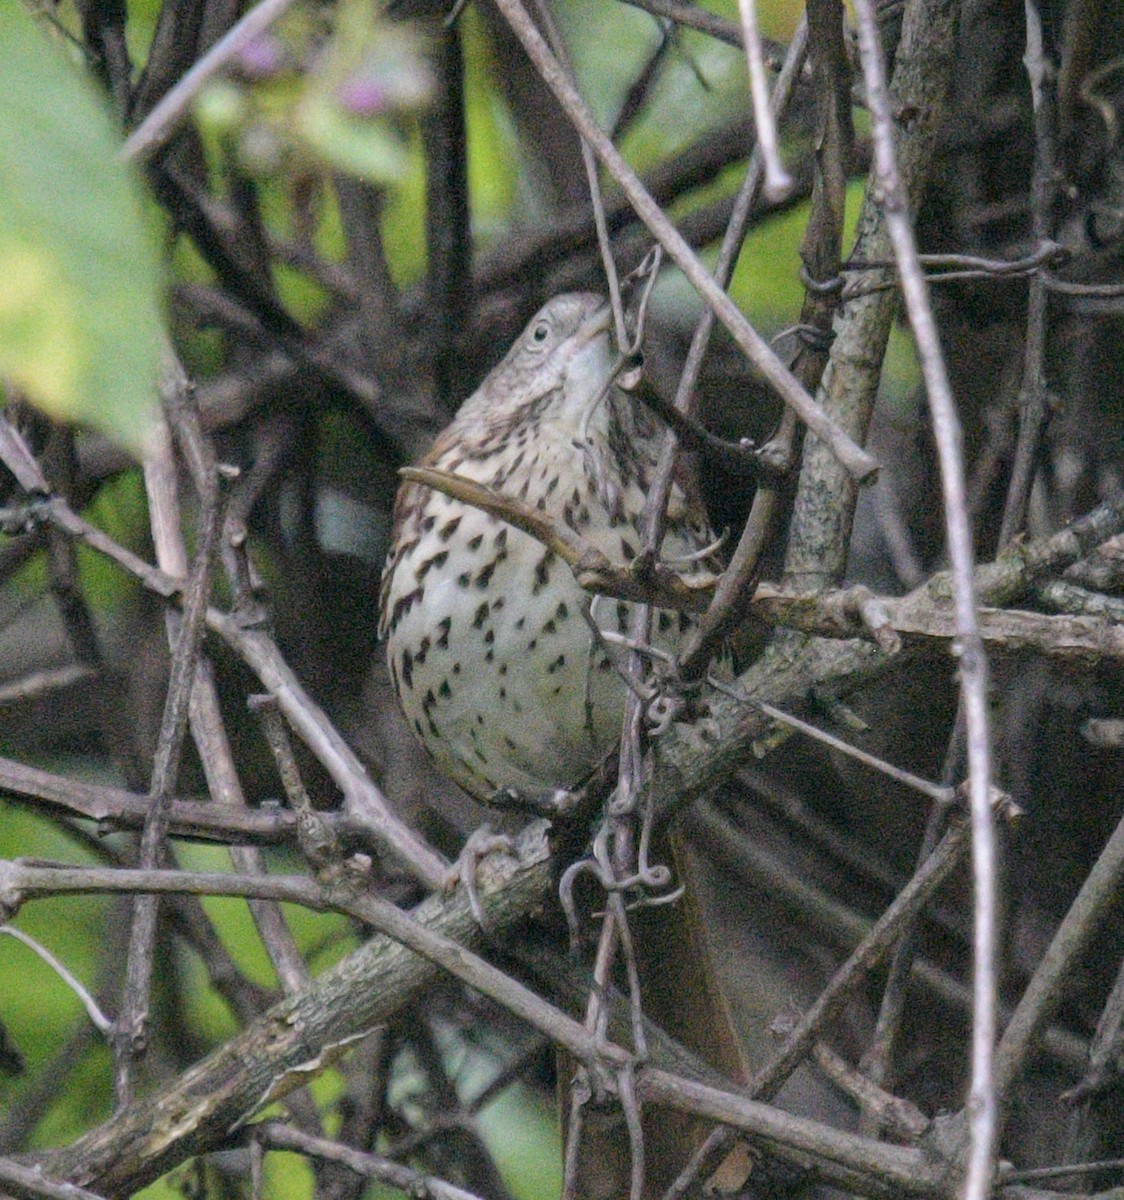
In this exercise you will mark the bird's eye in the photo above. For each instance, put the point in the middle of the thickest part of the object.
(540, 332)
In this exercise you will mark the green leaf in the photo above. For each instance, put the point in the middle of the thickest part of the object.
(80, 326)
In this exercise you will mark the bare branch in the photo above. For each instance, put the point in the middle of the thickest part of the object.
(856, 460)
(160, 124)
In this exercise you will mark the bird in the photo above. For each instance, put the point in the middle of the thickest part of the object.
(493, 665)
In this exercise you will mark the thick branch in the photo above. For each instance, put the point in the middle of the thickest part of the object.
(297, 1038)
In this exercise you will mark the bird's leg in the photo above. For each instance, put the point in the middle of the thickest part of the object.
(552, 803)
(563, 806)
(480, 844)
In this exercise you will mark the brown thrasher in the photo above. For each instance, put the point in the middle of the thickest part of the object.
(494, 667)
(493, 664)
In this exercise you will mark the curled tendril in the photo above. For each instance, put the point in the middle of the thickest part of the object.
(662, 711)
(647, 271)
(647, 878)
(664, 698)
(566, 897)
(672, 897)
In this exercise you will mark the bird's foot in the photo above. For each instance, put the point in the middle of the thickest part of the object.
(480, 844)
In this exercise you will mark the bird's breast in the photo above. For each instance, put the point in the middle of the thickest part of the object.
(493, 660)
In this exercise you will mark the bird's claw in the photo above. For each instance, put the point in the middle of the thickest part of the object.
(480, 844)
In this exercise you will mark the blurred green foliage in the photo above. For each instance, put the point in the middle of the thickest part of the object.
(302, 94)
(80, 307)
(39, 1011)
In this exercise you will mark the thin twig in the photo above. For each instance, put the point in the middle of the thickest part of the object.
(693, 16)
(1046, 989)
(188, 919)
(838, 925)
(1068, 287)
(17, 457)
(696, 651)
(302, 1034)
(278, 1136)
(900, 1168)
(51, 1081)
(620, 846)
(99, 1019)
(785, 801)
(593, 182)
(973, 661)
(38, 684)
(1029, 1175)
(62, 568)
(739, 458)
(901, 1118)
(365, 804)
(877, 1057)
(316, 836)
(974, 266)
(205, 713)
(21, 881)
(116, 808)
(879, 941)
(130, 1034)
(448, 238)
(1033, 407)
(923, 616)
(29, 1183)
(871, 947)
(777, 182)
(856, 460)
(447, 1113)
(942, 795)
(161, 122)
(1104, 1050)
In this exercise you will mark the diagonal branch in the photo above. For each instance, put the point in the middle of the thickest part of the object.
(858, 463)
(307, 1032)
(969, 644)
